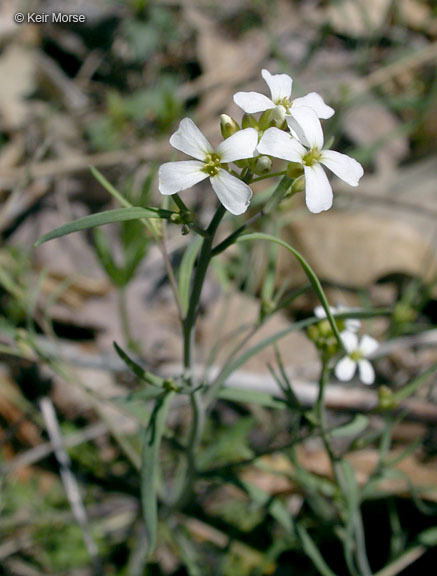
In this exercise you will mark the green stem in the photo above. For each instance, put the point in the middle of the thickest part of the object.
(199, 278)
(280, 191)
(124, 319)
(319, 410)
(187, 470)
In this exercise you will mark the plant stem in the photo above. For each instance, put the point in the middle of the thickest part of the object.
(188, 471)
(199, 278)
(280, 191)
(319, 411)
(124, 319)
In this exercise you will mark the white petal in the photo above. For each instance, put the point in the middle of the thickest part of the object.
(316, 103)
(240, 145)
(234, 194)
(350, 341)
(352, 324)
(366, 371)
(318, 191)
(280, 85)
(368, 345)
(304, 124)
(280, 144)
(343, 166)
(319, 312)
(189, 139)
(345, 369)
(252, 102)
(177, 176)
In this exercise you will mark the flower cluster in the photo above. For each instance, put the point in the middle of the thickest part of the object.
(357, 350)
(288, 129)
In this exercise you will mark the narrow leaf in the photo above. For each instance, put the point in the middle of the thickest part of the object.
(150, 469)
(137, 369)
(352, 428)
(313, 552)
(251, 397)
(99, 219)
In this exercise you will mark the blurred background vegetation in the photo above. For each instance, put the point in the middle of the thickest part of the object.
(108, 93)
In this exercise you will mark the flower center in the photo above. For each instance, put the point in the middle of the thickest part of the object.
(286, 103)
(311, 157)
(356, 355)
(211, 164)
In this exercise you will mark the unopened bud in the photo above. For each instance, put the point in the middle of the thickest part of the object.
(249, 121)
(298, 185)
(294, 170)
(175, 218)
(263, 165)
(385, 398)
(228, 126)
(277, 117)
(274, 117)
(313, 333)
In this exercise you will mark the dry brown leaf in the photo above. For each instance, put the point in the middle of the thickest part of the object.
(355, 249)
(358, 18)
(369, 124)
(227, 314)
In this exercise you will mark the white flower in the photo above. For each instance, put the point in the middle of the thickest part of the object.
(305, 110)
(318, 191)
(174, 177)
(351, 324)
(357, 353)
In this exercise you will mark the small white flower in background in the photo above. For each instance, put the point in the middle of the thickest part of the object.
(305, 110)
(357, 354)
(351, 324)
(174, 177)
(318, 191)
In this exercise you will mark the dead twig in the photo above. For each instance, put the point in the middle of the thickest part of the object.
(68, 479)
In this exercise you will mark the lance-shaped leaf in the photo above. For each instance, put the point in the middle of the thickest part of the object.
(150, 468)
(138, 370)
(107, 217)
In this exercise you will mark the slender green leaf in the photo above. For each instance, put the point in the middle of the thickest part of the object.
(411, 387)
(301, 325)
(428, 537)
(185, 270)
(313, 552)
(315, 282)
(276, 507)
(150, 468)
(352, 428)
(101, 218)
(110, 188)
(137, 369)
(251, 397)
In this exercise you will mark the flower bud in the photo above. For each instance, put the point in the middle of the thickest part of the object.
(298, 185)
(175, 218)
(272, 118)
(249, 121)
(385, 398)
(294, 170)
(313, 332)
(277, 117)
(263, 165)
(228, 126)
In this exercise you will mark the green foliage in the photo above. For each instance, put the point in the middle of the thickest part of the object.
(230, 444)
